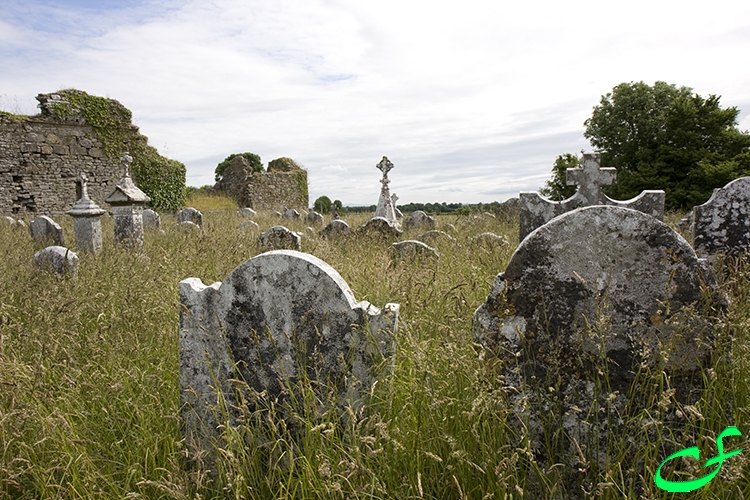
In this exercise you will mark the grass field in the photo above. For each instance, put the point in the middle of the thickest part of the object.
(89, 397)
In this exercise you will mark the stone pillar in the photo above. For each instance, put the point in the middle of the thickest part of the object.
(87, 223)
(127, 203)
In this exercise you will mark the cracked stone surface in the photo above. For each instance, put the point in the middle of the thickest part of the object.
(722, 224)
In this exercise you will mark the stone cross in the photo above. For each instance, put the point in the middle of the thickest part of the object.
(385, 166)
(385, 207)
(87, 224)
(590, 178)
(126, 160)
(84, 187)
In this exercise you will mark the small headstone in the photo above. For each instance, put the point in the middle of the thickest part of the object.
(535, 210)
(189, 214)
(420, 221)
(291, 214)
(450, 228)
(248, 212)
(278, 318)
(279, 237)
(722, 224)
(87, 222)
(489, 240)
(151, 220)
(13, 222)
(188, 227)
(249, 225)
(436, 236)
(413, 251)
(336, 227)
(314, 218)
(44, 228)
(58, 259)
(379, 227)
(127, 203)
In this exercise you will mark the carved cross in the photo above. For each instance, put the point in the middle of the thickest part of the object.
(394, 199)
(126, 160)
(84, 187)
(385, 166)
(591, 177)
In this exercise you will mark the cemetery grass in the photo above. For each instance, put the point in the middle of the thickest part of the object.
(89, 396)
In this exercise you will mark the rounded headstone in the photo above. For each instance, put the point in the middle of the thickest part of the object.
(336, 227)
(57, 258)
(314, 218)
(279, 237)
(419, 220)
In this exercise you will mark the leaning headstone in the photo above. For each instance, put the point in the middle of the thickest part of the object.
(314, 218)
(436, 236)
(151, 220)
(535, 210)
(336, 227)
(279, 237)
(413, 251)
(379, 227)
(722, 224)
(189, 214)
(127, 203)
(277, 319)
(420, 221)
(87, 221)
(249, 225)
(45, 229)
(247, 212)
(291, 214)
(385, 207)
(58, 259)
(598, 288)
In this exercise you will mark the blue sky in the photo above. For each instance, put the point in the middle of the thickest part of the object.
(471, 101)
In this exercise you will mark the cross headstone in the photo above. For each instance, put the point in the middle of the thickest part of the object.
(87, 224)
(536, 210)
(278, 319)
(385, 207)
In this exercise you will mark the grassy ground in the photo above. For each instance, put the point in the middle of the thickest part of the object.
(89, 391)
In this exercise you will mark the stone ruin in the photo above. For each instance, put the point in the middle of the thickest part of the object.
(722, 224)
(535, 210)
(277, 319)
(597, 285)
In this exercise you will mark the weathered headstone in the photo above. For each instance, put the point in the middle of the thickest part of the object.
(44, 228)
(336, 227)
(247, 212)
(379, 227)
(291, 214)
(420, 221)
(127, 203)
(14, 222)
(249, 225)
(278, 318)
(412, 251)
(87, 222)
(722, 224)
(598, 288)
(398, 213)
(189, 214)
(536, 210)
(279, 237)
(58, 259)
(385, 208)
(436, 236)
(151, 219)
(489, 239)
(314, 218)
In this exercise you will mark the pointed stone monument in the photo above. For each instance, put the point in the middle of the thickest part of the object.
(87, 222)
(385, 208)
(128, 203)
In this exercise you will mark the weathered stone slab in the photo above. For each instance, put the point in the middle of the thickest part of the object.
(412, 251)
(336, 227)
(247, 212)
(279, 237)
(58, 259)
(314, 218)
(44, 228)
(536, 210)
(128, 203)
(278, 318)
(436, 236)
(379, 227)
(420, 221)
(187, 226)
(87, 224)
(291, 214)
(190, 214)
(151, 219)
(722, 224)
(249, 225)
(489, 240)
(14, 222)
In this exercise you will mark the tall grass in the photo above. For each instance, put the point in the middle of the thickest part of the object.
(89, 384)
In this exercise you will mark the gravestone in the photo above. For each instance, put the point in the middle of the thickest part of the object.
(58, 259)
(87, 221)
(379, 227)
(14, 222)
(291, 214)
(722, 224)
(278, 318)
(420, 221)
(436, 236)
(490, 240)
(249, 225)
(398, 213)
(413, 251)
(314, 218)
(188, 227)
(385, 207)
(535, 210)
(279, 237)
(151, 220)
(127, 203)
(247, 212)
(189, 214)
(336, 227)
(45, 229)
(597, 285)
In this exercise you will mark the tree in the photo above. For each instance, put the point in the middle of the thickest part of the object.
(322, 205)
(252, 159)
(556, 187)
(665, 137)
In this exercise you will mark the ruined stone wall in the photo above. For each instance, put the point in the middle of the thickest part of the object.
(278, 190)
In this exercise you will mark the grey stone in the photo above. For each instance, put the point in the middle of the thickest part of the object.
(535, 210)
(278, 318)
(596, 285)
(413, 251)
(336, 227)
(249, 225)
(87, 223)
(189, 214)
(151, 219)
(722, 224)
(489, 239)
(44, 228)
(379, 227)
(420, 221)
(436, 236)
(314, 218)
(127, 203)
(279, 237)
(58, 259)
(291, 214)
(247, 212)
(385, 207)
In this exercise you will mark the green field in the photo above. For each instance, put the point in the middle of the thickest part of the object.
(89, 396)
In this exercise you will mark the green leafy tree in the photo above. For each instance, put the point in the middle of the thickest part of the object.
(667, 137)
(252, 159)
(322, 205)
(556, 187)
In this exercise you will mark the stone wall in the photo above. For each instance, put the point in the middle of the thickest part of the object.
(42, 157)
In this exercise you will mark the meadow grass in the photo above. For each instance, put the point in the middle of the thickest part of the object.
(89, 396)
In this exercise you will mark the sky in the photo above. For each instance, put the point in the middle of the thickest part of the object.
(472, 101)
